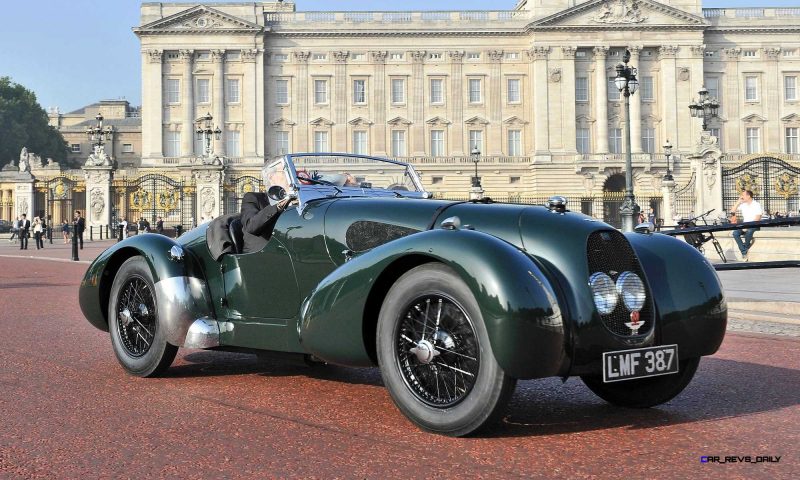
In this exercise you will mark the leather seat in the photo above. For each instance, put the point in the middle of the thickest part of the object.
(235, 229)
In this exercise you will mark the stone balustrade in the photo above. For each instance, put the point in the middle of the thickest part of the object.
(467, 16)
(751, 13)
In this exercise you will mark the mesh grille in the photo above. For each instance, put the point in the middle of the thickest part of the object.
(610, 253)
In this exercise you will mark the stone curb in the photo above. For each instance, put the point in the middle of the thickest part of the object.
(766, 307)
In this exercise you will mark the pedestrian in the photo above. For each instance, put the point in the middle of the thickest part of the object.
(49, 227)
(651, 216)
(14, 231)
(124, 224)
(147, 226)
(751, 212)
(24, 230)
(38, 230)
(141, 226)
(641, 219)
(65, 231)
(160, 226)
(80, 226)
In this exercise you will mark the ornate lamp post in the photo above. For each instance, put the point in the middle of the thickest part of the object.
(476, 192)
(204, 132)
(627, 84)
(668, 153)
(98, 136)
(706, 108)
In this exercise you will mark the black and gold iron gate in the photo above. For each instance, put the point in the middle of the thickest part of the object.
(685, 199)
(152, 196)
(235, 189)
(773, 181)
(56, 199)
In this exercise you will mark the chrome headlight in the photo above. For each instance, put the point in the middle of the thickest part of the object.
(631, 288)
(604, 293)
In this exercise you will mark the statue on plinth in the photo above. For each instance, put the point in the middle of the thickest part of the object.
(98, 158)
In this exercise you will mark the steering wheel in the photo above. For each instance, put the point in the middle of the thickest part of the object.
(276, 194)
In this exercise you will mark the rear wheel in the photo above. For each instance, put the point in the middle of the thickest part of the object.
(646, 392)
(139, 344)
(434, 354)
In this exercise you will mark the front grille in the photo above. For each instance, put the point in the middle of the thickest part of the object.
(609, 252)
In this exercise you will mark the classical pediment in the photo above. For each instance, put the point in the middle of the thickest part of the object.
(360, 121)
(619, 14)
(791, 118)
(320, 122)
(438, 121)
(199, 19)
(753, 117)
(477, 121)
(282, 122)
(514, 120)
(399, 121)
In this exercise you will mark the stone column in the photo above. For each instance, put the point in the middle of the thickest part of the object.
(153, 103)
(668, 201)
(260, 139)
(669, 99)
(23, 201)
(378, 132)
(731, 98)
(187, 101)
(417, 99)
(208, 179)
(772, 140)
(494, 138)
(340, 102)
(218, 59)
(568, 98)
(456, 140)
(706, 160)
(696, 82)
(636, 106)
(250, 97)
(600, 100)
(541, 112)
(304, 97)
(98, 195)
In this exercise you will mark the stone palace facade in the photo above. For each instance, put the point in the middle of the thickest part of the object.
(531, 88)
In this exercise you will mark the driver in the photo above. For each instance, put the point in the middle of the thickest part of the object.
(258, 216)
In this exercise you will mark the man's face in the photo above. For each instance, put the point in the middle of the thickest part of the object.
(745, 197)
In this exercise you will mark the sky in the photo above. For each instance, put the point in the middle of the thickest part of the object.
(75, 52)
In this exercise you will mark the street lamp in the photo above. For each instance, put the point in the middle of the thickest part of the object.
(668, 153)
(98, 135)
(706, 108)
(627, 84)
(204, 132)
(476, 157)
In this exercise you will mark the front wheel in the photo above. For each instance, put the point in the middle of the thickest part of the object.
(434, 354)
(138, 342)
(646, 392)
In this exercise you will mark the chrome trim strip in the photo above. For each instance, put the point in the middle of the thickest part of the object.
(181, 301)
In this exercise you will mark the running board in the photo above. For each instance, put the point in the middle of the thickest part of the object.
(721, 267)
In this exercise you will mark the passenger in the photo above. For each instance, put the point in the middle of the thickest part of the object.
(258, 215)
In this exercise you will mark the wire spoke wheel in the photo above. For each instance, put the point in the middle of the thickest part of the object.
(437, 351)
(136, 316)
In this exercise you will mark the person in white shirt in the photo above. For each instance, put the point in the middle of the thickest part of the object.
(124, 224)
(751, 212)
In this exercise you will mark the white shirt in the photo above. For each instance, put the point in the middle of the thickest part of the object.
(750, 211)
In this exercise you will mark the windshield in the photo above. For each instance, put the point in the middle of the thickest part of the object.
(354, 172)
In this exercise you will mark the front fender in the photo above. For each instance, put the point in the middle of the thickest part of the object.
(687, 292)
(518, 305)
(181, 290)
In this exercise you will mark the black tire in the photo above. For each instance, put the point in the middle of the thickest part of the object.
(137, 340)
(719, 250)
(480, 395)
(646, 392)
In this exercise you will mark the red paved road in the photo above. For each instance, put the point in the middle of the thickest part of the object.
(69, 411)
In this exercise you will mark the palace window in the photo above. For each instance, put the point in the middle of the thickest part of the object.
(473, 56)
(203, 90)
(359, 92)
(476, 140)
(437, 143)
(648, 93)
(475, 90)
(582, 141)
(173, 91)
(358, 56)
(581, 89)
(716, 132)
(127, 148)
(514, 180)
(436, 56)
(282, 142)
(749, 53)
(398, 90)
(437, 91)
(515, 143)
(75, 148)
(437, 180)
(280, 58)
(789, 52)
(753, 140)
(615, 140)
(398, 143)
(712, 85)
(320, 91)
(360, 142)
(319, 56)
(232, 148)
(232, 89)
(232, 56)
(512, 55)
(751, 88)
(172, 144)
(648, 140)
(514, 93)
(321, 142)
(790, 88)
(282, 92)
(395, 56)
(613, 91)
(791, 140)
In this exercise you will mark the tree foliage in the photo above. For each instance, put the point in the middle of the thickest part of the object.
(24, 123)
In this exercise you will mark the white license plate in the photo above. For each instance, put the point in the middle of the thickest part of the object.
(640, 363)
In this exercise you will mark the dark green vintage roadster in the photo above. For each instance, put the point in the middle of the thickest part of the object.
(454, 301)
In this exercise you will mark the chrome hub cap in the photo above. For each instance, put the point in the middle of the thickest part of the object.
(425, 352)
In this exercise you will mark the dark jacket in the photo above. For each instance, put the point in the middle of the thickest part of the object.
(258, 221)
(160, 226)
(24, 227)
(80, 225)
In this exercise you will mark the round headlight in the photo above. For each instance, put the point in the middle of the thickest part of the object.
(631, 288)
(603, 292)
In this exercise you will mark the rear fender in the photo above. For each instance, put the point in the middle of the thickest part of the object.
(518, 306)
(181, 291)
